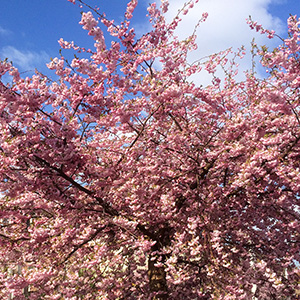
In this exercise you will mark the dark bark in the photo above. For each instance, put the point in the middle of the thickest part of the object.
(157, 274)
(157, 279)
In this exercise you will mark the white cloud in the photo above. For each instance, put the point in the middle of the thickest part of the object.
(24, 60)
(225, 26)
(4, 31)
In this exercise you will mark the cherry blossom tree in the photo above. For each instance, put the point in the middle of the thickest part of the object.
(122, 179)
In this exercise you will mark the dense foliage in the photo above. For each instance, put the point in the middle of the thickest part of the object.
(124, 180)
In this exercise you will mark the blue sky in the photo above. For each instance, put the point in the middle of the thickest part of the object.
(30, 29)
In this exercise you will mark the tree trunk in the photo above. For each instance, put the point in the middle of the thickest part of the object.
(157, 274)
(157, 280)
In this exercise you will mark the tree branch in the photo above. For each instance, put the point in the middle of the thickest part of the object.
(83, 243)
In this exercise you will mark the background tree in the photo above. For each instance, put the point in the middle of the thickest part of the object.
(124, 180)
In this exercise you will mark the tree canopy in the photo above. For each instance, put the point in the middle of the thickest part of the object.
(123, 179)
